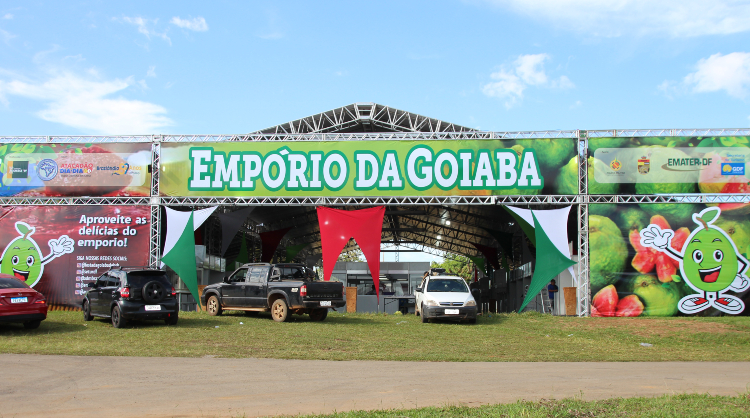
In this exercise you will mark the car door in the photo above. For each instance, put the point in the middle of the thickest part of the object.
(419, 296)
(257, 287)
(106, 294)
(233, 293)
(94, 294)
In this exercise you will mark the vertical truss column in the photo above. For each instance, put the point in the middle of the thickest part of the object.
(154, 259)
(583, 292)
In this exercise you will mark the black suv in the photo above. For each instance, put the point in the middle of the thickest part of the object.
(128, 293)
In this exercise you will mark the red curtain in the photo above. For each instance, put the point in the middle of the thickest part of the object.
(490, 253)
(338, 226)
(270, 241)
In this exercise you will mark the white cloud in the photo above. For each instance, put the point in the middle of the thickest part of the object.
(7, 16)
(730, 73)
(7, 36)
(676, 18)
(85, 102)
(151, 71)
(528, 70)
(198, 24)
(145, 27)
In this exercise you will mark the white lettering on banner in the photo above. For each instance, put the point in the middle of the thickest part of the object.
(424, 168)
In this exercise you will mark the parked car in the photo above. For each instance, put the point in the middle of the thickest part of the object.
(444, 297)
(131, 293)
(21, 303)
(282, 289)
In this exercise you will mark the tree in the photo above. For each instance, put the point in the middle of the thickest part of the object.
(353, 255)
(456, 265)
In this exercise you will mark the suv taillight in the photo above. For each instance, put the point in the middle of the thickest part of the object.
(303, 291)
(125, 292)
(173, 292)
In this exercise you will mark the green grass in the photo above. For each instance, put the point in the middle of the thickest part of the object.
(506, 337)
(677, 406)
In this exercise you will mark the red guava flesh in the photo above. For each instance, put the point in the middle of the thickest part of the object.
(605, 302)
(629, 306)
(646, 258)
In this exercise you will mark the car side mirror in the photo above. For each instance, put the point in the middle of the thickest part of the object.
(226, 279)
(419, 289)
(91, 285)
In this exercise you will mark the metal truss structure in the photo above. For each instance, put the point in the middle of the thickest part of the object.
(432, 224)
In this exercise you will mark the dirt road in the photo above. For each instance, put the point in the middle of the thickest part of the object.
(67, 386)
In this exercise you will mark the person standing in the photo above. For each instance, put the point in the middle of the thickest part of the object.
(552, 290)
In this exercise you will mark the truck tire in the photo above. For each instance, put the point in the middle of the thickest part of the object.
(424, 318)
(213, 306)
(279, 310)
(318, 314)
(117, 320)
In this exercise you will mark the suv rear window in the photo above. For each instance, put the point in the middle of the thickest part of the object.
(8, 283)
(140, 278)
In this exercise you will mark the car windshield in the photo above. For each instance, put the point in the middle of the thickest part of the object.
(447, 285)
(8, 283)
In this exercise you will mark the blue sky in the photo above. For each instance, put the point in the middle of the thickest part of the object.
(95, 67)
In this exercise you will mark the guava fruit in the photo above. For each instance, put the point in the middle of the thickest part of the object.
(629, 306)
(630, 217)
(659, 299)
(604, 302)
(671, 141)
(738, 231)
(713, 181)
(22, 258)
(647, 258)
(678, 213)
(567, 180)
(608, 252)
(551, 153)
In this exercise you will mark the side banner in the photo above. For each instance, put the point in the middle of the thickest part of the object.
(668, 259)
(32, 170)
(58, 249)
(663, 165)
(370, 168)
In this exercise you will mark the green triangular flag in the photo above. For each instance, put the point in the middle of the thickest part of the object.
(293, 250)
(525, 226)
(554, 262)
(181, 259)
(242, 257)
(479, 261)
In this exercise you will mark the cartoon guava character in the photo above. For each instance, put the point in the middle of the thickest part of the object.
(23, 258)
(709, 262)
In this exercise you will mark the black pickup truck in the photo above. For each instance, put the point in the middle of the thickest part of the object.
(282, 289)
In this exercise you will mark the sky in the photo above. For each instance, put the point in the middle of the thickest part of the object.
(232, 67)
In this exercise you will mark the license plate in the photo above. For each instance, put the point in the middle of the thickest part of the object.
(153, 307)
(22, 300)
(325, 303)
(451, 311)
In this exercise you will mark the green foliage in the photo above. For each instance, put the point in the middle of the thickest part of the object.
(456, 265)
(353, 255)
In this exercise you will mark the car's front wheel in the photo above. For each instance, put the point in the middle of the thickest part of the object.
(117, 320)
(279, 310)
(424, 318)
(87, 311)
(213, 306)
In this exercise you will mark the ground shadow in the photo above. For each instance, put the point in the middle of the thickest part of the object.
(47, 327)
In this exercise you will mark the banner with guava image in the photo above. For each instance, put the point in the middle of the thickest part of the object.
(370, 168)
(668, 259)
(669, 165)
(52, 170)
(57, 250)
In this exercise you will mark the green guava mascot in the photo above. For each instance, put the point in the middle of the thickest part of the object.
(23, 259)
(709, 262)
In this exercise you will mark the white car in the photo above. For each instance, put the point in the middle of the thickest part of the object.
(445, 297)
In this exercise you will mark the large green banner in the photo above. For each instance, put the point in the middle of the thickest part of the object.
(369, 168)
(668, 259)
